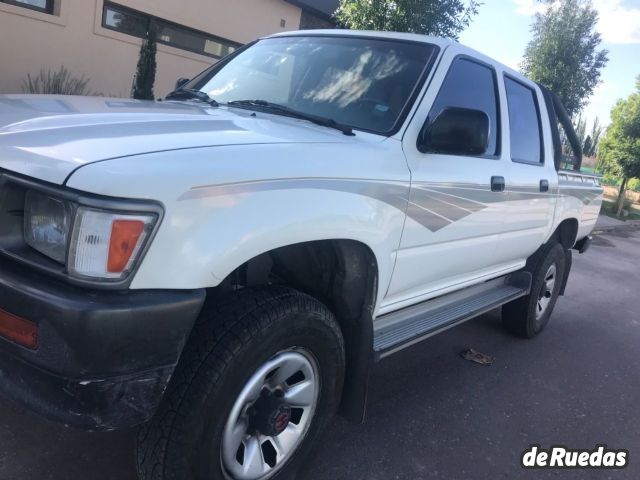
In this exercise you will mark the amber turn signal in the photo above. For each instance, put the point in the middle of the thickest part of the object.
(125, 235)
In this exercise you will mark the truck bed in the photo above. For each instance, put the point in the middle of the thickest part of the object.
(582, 192)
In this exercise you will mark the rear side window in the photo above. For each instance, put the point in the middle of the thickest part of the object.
(470, 84)
(524, 123)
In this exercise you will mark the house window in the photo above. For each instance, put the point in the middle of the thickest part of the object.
(126, 21)
(45, 6)
(138, 24)
(191, 40)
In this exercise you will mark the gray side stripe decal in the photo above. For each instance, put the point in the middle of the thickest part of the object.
(587, 196)
(427, 218)
(432, 205)
(483, 195)
(464, 203)
(435, 210)
(394, 194)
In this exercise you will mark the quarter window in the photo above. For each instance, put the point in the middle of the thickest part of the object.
(45, 6)
(524, 123)
(471, 85)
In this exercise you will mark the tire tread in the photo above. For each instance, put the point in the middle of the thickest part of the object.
(218, 335)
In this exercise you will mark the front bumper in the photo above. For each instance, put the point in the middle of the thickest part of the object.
(104, 358)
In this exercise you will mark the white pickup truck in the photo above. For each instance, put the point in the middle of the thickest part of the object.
(222, 267)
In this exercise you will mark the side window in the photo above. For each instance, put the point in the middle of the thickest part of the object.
(524, 123)
(471, 85)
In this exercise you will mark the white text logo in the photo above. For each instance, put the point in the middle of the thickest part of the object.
(559, 456)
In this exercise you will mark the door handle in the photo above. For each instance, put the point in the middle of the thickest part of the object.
(544, 185)
(497, 184)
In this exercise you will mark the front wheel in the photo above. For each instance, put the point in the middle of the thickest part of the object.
(528, 316)
(255, 388)
(271, 416)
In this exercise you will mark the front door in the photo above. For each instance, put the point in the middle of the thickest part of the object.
(455, 217)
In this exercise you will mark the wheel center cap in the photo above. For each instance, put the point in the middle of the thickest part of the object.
(281, 419)
(270, 416)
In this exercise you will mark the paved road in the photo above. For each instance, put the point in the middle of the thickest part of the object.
(433, 415)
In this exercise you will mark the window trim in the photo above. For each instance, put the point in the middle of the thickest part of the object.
(463, 56)
(152, 21)
(534, 93)
(48, 8)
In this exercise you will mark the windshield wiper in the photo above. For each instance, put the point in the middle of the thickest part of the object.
(191, 93)
(277, 108)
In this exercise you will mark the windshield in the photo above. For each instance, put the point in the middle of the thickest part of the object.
(364, 83)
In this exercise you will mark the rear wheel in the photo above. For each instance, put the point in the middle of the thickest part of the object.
(255, 388)
(528, 316)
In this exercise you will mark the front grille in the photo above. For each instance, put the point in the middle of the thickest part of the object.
(11, 213)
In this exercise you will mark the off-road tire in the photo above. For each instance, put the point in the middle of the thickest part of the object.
(232, 338)
(519, 317)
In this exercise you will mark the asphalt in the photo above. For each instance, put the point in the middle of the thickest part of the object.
(434, 415)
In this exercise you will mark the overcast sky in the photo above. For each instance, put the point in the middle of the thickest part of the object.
(502, 30)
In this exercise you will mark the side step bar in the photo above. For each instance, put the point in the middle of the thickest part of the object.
(403, 328)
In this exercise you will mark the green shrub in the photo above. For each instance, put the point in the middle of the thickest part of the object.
(634, 185)
(610, 180)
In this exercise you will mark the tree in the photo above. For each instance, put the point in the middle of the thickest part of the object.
(581, 129)
(591, 149)
(563, 54)
(620, 146)
(442, 18)
(589, 141)
(146, 69)
(587, 146)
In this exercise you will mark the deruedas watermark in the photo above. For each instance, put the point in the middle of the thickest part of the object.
(559, 456)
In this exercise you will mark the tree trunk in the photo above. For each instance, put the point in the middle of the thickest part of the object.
(623, 188)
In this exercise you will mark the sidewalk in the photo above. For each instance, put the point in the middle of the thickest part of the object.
(606, 224)
(604, 221)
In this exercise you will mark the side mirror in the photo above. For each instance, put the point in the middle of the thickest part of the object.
(456, 131)
(181, 82)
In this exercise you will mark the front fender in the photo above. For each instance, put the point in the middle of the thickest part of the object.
(215, 222)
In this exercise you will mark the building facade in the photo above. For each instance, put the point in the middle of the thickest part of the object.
(100, 39)
(316, 13)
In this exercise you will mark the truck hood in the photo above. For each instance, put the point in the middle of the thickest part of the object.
(48, 136)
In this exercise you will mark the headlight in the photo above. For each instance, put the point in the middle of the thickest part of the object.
(92, 243)
(106, 244)
(47, 221)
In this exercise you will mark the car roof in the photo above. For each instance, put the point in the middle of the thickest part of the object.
(414, 37)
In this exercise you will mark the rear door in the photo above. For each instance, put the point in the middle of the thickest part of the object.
(533, 181)
(455, 221)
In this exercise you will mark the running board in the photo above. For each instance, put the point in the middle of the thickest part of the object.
(397, 330)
